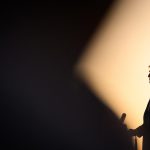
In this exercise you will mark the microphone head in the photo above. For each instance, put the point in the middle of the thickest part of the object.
(123, 117)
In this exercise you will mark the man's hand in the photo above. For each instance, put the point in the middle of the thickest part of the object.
(136, 132)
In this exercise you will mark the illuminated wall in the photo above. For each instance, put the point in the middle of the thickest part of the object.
(117, 59)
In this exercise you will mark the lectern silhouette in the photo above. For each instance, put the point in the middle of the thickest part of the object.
(144, 129)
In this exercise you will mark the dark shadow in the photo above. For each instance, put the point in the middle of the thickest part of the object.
(43, 105)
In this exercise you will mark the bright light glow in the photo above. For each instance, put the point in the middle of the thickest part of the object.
(117, 59)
